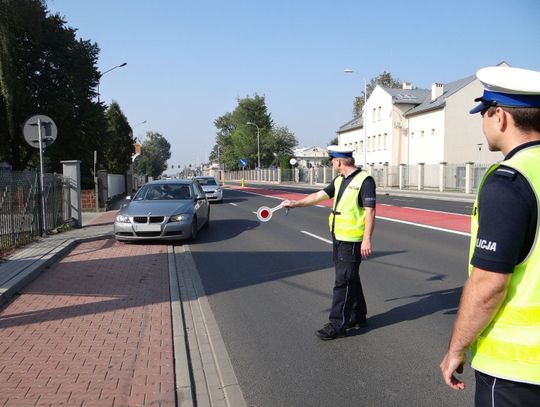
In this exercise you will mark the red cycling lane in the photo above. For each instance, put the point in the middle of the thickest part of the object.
(434, 219)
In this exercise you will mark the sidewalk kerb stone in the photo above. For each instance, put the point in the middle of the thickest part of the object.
(184, 394)
(213, 352)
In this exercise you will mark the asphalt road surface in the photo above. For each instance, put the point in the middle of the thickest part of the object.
(270, 287)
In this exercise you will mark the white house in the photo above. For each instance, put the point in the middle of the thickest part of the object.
(308, 157)
(412, 126)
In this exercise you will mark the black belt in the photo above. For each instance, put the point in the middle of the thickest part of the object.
(336, 212)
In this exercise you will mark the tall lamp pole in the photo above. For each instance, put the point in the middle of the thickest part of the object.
(258, 145)
(138, 124)
(364, 116)
(103, 73)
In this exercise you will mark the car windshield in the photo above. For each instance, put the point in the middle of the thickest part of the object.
(206, 181)
(163, 192)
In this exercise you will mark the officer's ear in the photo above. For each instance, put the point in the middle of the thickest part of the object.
(502, 117)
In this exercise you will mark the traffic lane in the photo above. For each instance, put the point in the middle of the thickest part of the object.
(430, 218)
(397, 200)
(441, 205)
(274, 290)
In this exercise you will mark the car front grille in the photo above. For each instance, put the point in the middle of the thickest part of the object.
(148, 234)
(144, 219)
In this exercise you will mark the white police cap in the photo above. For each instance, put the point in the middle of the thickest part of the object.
(340, 151)
(507, 86)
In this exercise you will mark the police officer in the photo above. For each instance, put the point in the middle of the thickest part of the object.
(351, 223)
(499, 313)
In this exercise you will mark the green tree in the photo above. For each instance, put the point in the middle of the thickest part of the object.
(45, 69)
(155, 151)
(282, 141)
(334, 142)
(237, 139)
(384, 79)
(118, 147)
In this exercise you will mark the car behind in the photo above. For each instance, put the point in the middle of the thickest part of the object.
(212, 189)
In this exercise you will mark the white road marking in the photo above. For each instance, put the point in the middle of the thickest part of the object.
(425, 226)
(233, 204)
(316, 237)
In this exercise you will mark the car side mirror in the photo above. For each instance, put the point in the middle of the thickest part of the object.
(200, 197)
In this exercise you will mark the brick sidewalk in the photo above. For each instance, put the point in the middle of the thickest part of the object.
(93, 330)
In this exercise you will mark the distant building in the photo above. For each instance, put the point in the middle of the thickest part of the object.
(308, 157)
(412, 126)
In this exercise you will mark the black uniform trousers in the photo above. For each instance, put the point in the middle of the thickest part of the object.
(348, 302)
(495, 392)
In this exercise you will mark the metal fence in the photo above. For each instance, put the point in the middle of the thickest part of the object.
(442, 177)
(21, 214)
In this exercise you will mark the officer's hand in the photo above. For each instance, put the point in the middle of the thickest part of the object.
(365, 248)
(453, 363)
(287, 203)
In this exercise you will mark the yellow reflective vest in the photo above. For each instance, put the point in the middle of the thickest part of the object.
(509, 347)
(347, 218)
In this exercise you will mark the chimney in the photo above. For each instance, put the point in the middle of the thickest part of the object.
(437, 89)
(406, 85)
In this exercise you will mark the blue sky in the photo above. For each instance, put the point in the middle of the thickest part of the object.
(189, 61)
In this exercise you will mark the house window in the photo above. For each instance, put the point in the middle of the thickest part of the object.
(422, 133)
(369, 144)
(373, 115)
(379, 113)
(356, 146)
(379, 142)
(412, 134)
(432, 132)
(361, 146)
(385, 141)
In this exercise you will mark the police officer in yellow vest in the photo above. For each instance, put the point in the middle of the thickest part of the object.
(351, 223)
(499, 313)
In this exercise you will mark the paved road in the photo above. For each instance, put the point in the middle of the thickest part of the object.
(269, 286)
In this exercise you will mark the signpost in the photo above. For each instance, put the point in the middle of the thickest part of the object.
(243, 164)
(40, 131)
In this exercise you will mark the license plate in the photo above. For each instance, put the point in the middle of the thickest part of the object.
(147, 228)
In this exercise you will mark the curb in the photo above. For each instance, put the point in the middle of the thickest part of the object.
(211, 374)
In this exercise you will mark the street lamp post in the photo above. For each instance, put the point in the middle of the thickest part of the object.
(103, 73)
(364, 116)
(258, 145)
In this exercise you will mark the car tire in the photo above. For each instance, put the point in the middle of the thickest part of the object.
(194, 230)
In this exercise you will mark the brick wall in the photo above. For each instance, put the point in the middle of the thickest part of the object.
(88, 199)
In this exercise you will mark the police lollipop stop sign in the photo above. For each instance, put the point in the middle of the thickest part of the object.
(264, 213)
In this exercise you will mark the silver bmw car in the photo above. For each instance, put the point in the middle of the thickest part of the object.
(165, 210)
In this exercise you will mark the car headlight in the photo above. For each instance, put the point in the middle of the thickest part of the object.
(178, 218)
(122, 219)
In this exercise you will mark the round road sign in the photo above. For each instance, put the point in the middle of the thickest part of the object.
(49, 131)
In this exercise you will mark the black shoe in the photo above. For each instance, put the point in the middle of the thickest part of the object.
(328, 332)
(357, 324)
